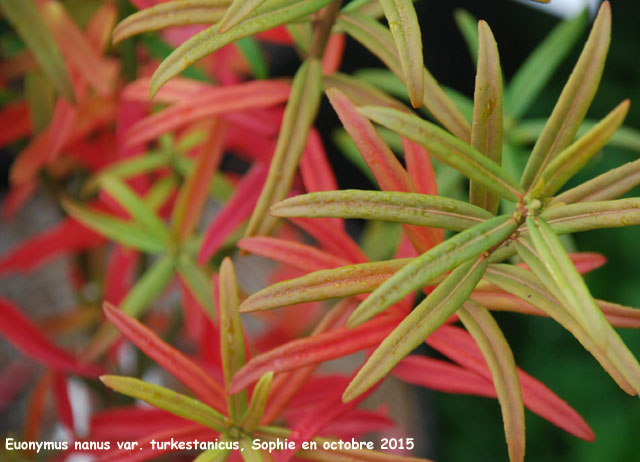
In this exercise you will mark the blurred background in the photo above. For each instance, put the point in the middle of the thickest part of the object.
(465, 428)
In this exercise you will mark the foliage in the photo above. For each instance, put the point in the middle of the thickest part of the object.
(135, 155)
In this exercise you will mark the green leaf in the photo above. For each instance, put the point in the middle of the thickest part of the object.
(271, 14)
(572, 159)
(252, 418)
(137, 208)
(170, 14)
(168, 400)
(496, 351)
(418, 325)
(539, 67)
(252, 52)
(573, 291)
(609, 185)
(486, 130)
(127, 233)
(40, 96)
(231, 336)
(574, 101)
(129, 167)
(298, 119)
(237, 12)
(198, 282)
(584, 216)
(345, 281)
(448, 149)
(249, 454)
(24, 17)
(466, 22)
(405, 29)
(378, 40)
(302, 35)
(214, 455)
(398, 207)
(440, 259)
(615, 358)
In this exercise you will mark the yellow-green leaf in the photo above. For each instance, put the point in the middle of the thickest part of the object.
(231, 336)
(168, 400)
(403, 23)
(237, 12)
(431, 264)
(170, 14)
(486, 130)
(430, 314)
(448, 149)
(574, 101)
(251, 419)
(271, 14)
(399, 207)
(496, 351)
(299, 116)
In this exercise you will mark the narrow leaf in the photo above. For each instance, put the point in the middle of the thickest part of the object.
(269, 15)
(236, 13)
(25, 336)
(496, 351)
(24, 17)
(609, 185)
(379, 41)
(323, 285)
(430, 314)
(574, 101)
(137, 208)
(448, 149)
(317, 348)
(169, 14)
(398, 207)
(584, 216)
(163, 398)
(403, 23)
(437, 261)
(486, 130)
(231, 336)
(537, 70)
(125, 232)
(252, 418)
(572, 159)
(299, 116)
(198, 282)
(170, 359)
(467, 25)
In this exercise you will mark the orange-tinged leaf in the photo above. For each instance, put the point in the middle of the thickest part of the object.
(333, 54)
(77, 49)
(323, 285)
(459, 346)
(215, 102)
(23, 16)
(176, 13)
(25, 336)
(574, 101)
(486, 130)
(193, 194)
(334, 239)
(170, 359)
(300, 256)
(419, 167)
(312, 350)
(298, 119)
(497, 353)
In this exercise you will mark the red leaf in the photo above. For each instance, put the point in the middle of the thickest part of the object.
(300, 256)
(177, 364)
(332, 57)
(311, 350)
(236, 210)
(14, 379)
(121, 270)
(458, 345)
(15, 123)
(126, 423)
(333, 238)
(419, 167)
(66, 237)
(25, 336)
(63, 405)
(175, 90)
(584, 262)
(215, 102)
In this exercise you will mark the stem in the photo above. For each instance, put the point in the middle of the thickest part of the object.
(323, 31)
